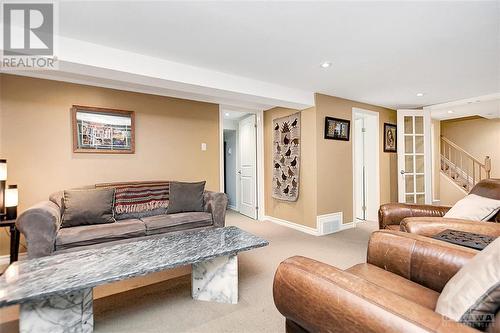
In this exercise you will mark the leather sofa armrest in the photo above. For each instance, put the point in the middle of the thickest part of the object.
(394, 213)
(429, 226)
(426, 261)
(321, 298)
(39, 225)
(216, 204)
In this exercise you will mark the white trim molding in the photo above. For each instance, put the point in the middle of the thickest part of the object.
(325, 224)
(292, 225)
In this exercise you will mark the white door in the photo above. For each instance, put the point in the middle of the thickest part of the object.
(366, 165)
(414, 157)
(248, 166)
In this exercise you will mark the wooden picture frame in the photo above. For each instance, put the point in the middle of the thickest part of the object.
(102, 130)
(337, 129)
(390, 138)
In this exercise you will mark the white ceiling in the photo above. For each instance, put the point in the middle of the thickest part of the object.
(256, 55)
(484, 106)
(382, 52)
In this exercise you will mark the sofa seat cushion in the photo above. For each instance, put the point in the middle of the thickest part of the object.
(99, 233)
(176, 222)
(396, 284)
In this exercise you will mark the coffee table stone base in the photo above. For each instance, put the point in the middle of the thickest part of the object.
(216, 280)
(70, 312)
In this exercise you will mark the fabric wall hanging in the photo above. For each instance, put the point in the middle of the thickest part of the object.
(286, 157)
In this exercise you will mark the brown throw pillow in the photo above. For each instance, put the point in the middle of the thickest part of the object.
(85, 207)
(186, 197)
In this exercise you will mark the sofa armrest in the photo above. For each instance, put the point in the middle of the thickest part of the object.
(216, 204)
(429, 226)
(39, 225)
(321, 298)
(423, 260)
(394, 213)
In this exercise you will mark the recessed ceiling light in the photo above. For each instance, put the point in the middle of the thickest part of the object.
(420, 94)
(227, 114)
(325, 64)
(450, 111)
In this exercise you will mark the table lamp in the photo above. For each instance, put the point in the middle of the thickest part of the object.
(3, 178)
(11, 199)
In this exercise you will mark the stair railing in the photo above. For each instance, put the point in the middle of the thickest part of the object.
(461, 166)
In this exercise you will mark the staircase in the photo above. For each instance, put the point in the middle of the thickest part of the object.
(461, 167)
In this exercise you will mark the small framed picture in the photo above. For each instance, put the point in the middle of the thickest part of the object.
(390, 138)
(337, 129)
(99, 130)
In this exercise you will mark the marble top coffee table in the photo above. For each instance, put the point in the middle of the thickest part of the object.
(55, 292)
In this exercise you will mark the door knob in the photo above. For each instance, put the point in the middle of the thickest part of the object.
(239, 172)
(402, 172)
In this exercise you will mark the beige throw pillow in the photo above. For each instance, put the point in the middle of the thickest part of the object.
(472, 296)
(474, 207)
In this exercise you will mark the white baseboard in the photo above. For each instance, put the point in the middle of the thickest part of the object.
(296, 226)
(325, 224)
(232, 207)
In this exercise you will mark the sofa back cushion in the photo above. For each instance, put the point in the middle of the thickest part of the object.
(139, 199)
(86, 207)
(489, 188)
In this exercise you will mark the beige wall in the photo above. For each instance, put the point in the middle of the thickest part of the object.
(449, 192)
(326, 181)
(480, 137)
(303, 211)
(36, 138)
(334, 166)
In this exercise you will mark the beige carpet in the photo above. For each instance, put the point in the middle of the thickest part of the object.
(168, 307)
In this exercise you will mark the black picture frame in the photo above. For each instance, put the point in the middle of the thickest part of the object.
(331, 122)
(390, 129)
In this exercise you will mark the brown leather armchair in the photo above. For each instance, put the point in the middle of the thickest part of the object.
(428, 220)
(395, 291)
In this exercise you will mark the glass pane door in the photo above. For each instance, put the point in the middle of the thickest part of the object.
(412, 164)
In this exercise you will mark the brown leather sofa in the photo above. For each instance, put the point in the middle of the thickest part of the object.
(395, 291)
(428, 220)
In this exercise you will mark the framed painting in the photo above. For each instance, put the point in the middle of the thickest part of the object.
(390, 138)
(337, 129)
(100, 130)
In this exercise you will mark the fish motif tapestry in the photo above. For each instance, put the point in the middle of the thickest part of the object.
(286, 157)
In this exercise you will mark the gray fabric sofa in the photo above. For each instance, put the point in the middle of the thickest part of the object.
(41, 226)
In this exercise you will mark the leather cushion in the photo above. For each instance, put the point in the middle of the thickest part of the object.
(396, 284)
(95, 234)
(392, 227)
(175, 222)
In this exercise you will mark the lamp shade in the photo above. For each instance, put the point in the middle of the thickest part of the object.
(11, 196)
(3, 170)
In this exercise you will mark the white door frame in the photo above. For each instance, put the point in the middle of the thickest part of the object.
(427, 152)
(260, 155)
(377, 158)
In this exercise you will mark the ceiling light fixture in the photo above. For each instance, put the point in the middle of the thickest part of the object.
(420, 94)
(450, 111)
(325, 64)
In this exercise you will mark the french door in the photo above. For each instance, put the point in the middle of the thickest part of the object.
(414, 157)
